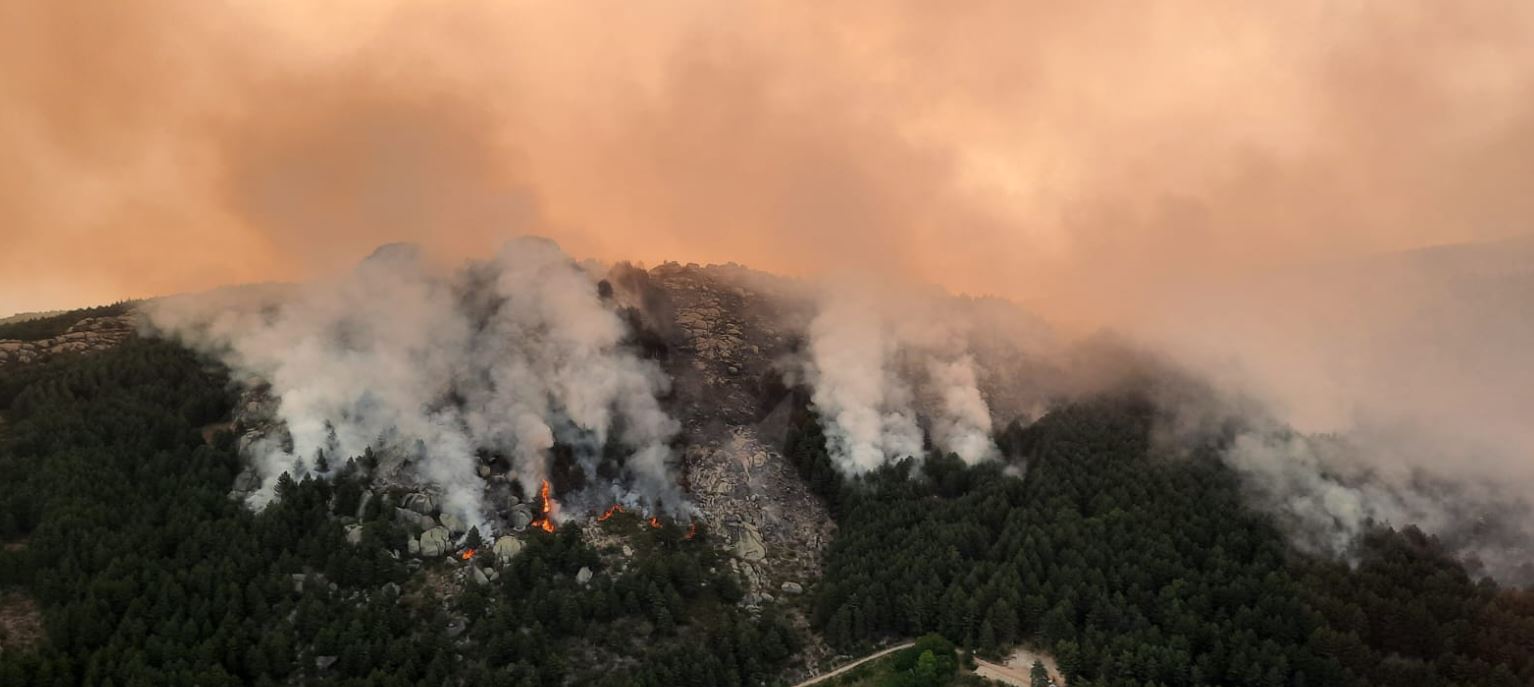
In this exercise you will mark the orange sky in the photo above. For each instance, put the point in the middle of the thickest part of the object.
(1079, 157)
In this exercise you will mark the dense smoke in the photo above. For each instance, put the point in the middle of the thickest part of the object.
(1389, 391)
(1080, 158)
(1328, 489)
(879, 365)
(1092, 161)
(508, 355)
(865, 407)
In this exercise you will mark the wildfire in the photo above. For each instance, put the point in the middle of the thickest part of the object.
(545, 522)
(467, 554)
(692, 531)
(655, 522)
(609, 513)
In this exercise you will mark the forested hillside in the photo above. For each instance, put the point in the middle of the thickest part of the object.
(1139, 569)
(1132, 568)
(54, 325)
(116, 524)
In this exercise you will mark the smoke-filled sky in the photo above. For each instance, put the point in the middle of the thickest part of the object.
(1082, 158)
(1244, 188)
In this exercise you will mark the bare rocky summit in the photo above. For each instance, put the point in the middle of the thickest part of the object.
(729, 332)
(87, 335)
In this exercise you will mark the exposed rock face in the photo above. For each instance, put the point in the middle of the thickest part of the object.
(749, 493)
(354, 534)
(726, 330)
(87, 335)
(435, 542)
(521, 517)
(420, 503)
(748, 543)
(453, 523)
(413, 520)
(583, 576)
(506, 548)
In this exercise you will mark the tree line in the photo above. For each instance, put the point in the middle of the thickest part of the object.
(1140, 569)
(148, 574)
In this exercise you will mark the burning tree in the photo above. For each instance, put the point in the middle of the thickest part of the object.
(545, 521)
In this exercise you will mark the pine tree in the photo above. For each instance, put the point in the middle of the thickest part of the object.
(1038, 676)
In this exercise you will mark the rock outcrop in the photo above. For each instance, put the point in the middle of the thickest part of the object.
(88, 335)
(453, 523)
(521, 517)
(420, 503)
(726, 331)
(506, 548)
(415, 522)
(435, 542)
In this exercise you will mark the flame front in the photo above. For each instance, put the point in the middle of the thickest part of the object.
(692, 531)
(655, 522)
(545, 522)
(467, 554)
(609, 513)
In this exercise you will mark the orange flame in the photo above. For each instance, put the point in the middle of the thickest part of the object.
(545, 522)
(692, 531)
(609, 513)
(655, 522)
(467, 554)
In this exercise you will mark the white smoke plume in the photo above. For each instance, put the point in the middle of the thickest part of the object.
(865, 408)
(878, 371)
(963, 423)
(551, 349)
(507, 355)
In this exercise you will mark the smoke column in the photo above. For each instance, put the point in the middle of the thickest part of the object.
(503, 355)
(879, 365)
(551, 347)
(864, 408)
(963, 423)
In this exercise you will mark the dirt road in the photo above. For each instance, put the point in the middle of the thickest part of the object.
(1001, 673)
(876, 655)
(1018, 668)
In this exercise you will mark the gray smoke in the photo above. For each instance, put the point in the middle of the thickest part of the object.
(1391, 390)
(508, 355)
(962, 423)
(551, 349)
(1328, 490)
(880, 365)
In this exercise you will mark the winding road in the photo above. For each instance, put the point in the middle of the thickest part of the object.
(876, 655)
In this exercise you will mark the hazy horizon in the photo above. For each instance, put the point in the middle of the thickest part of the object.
(1085, 162)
